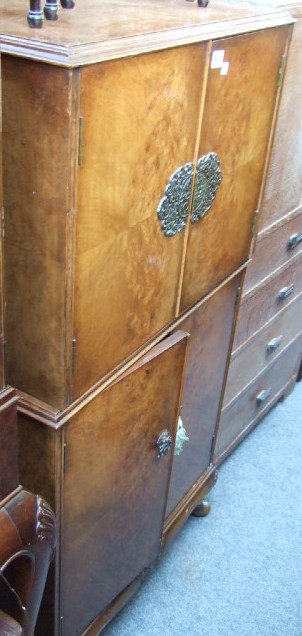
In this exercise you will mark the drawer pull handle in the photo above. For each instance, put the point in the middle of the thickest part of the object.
(163, 444)
(181, 437)
(294, 240)
(263, 396)
(273, 344)
(285, 292)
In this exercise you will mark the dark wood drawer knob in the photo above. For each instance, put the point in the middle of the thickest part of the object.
(285, 292)
(163, 444)
(273, 344)
(263, 396)
(294, 240)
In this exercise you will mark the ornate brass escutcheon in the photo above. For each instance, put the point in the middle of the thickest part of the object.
(173, 209)
(207, 182)
(163, 444)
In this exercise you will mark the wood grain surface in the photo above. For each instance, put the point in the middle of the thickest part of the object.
(115, 486)
(210, 329)
(38, 167)
(140, 125)
(283, 191)
(238, 114)
(98, 30)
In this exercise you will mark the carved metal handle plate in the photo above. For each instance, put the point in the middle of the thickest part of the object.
(163, 444)
(208, 180)
(173, 209)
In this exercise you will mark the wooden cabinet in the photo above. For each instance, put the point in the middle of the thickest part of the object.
(134, 152)
(105, 279)
(267, 339)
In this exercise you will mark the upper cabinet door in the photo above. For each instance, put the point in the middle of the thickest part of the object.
(140, 117)
(118, 459)
(238, 111)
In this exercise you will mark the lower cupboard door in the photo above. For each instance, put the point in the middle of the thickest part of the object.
(210, 328)
(116, 482)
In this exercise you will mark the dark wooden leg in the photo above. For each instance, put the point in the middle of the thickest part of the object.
(35, 14)
(67, 4)
(51, 9)
(202, 510)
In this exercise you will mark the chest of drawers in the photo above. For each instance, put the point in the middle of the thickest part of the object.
(135, 144)
(270, 307)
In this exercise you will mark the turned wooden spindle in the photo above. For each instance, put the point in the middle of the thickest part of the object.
(35, 14)
(67, 4)
(51, 9)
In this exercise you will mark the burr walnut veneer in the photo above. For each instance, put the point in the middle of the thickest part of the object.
(136, 141)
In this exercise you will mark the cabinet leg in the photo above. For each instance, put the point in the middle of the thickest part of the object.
(202, 510)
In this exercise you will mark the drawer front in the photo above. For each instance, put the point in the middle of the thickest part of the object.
(274, 248)
(210, 328)
(265, 301)
(252, 358)
(117, 468)
(257, 398)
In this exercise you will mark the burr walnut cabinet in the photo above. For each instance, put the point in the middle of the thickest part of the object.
(136, 142)
(268, 340)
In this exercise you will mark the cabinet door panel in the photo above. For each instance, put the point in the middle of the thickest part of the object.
(115, 485)
(237, 118)
(210, 328)
(140, 122)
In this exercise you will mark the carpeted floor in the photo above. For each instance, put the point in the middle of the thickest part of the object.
(237, 572)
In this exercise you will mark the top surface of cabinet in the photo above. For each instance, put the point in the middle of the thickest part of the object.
(95, 31)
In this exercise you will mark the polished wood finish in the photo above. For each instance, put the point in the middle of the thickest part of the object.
(109, 280)
(110, 451)
(27, 544)
(97, 118)
(248, 361)
(243, 413)
(9, 478)
(283, 187)
(127, 271)
(9, 627)
(202, 390)
(263, 302)
(38, 199)
(275, 266)
(273, 249)
(221, 238)
(122, 28)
